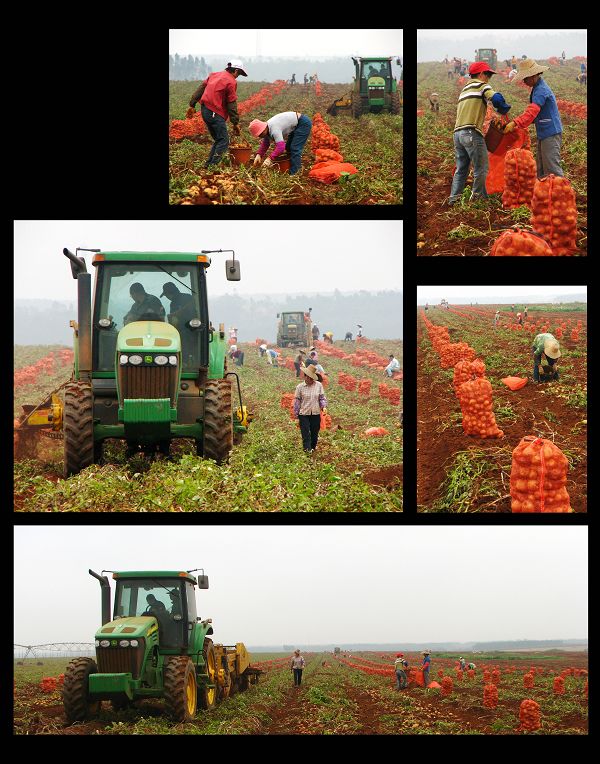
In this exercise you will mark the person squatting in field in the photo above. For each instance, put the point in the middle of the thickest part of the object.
(297, 667)
(289, 131)
(401, 666)
(469, 143)
(393, 365)
(218, 103)
(434, 102)
(309, 401)
(543, 112)
(545, 352)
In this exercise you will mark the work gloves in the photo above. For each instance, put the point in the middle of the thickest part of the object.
(191, 112)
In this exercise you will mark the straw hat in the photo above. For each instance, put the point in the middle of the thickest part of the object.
(527, 68)
(310, 371)
(552, 349)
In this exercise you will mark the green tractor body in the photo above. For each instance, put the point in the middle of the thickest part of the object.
(155, 646)
(488, 55)
(375, 89)
(149, 367)
(294, 329)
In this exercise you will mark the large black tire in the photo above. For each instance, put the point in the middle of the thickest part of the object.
(356, 107)
(76, 699)
(78, 428)
(207, 697)
(218, 420)
(395, 103)
(181, 689)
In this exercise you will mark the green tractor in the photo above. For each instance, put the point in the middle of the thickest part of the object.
(155, 646)
(489, 55)
(375, 89)
(149, 366)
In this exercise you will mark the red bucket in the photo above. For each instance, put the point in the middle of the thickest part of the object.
(240, 156)
(282, 163)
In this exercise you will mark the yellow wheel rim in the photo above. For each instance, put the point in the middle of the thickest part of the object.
(190, 694)
(211, 692)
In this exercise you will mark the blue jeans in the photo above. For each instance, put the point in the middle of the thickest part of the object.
(217, 127)
(295, 143)
(469, 146)
(401, 680)
(425, 677)
(297, 677)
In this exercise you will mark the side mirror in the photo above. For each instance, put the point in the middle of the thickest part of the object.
(232, 270)
(278, 315)
(202, 582)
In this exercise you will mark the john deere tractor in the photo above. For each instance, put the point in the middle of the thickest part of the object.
(375, 89)
(149, 366)
(489, 55)
(155, 646)
(294, 329)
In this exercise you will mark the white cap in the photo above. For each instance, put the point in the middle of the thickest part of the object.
(237, 64)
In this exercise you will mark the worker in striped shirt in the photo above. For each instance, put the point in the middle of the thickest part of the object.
(469, 143)
(309, 401)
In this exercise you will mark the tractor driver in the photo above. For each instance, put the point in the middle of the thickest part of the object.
(182, 305)
(155, 607)
(146, 307)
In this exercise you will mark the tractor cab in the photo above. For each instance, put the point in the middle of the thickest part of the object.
(375, 89)
(488, 55)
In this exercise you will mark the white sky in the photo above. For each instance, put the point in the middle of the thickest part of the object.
(286, 42)
(318, 584)
(465, 34)
(496, 293)
(275, 256)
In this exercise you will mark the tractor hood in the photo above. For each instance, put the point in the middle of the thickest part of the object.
(156, 336)
(128, 628)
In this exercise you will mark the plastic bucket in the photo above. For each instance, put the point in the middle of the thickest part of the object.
(493, 137)
(282, 164)
(240, 156)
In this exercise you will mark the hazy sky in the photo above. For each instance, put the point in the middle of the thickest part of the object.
(273, 585)
(287, 42)
(495, 293)
(275, 256)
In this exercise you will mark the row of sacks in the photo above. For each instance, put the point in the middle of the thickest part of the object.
(330, 165)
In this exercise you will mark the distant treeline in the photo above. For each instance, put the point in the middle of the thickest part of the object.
(380, 315)
(188, 68)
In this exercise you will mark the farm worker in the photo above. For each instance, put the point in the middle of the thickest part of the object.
(545, 352)
(399, 666)
(232, 349)
(512, 73)
(450, 72)
(348, 337)
(238, 357)
(393, 365)
(359, 334)
(426, 306)
(297, 667)
(520, 319)
(469, 143)
(312, 359)
(463, 663)
(218, 103)
(155, 607)
(543, 112)
(306, 79)
(315, 333)
(513, 62)
(313, 350)
(182, 305)
(434, 101)
(298, 361)
(563, 57)
(233, 334)
(262, 349)
(309, 401)
(525, 313)
(146, 307)
(496, 318)
(272, 356)
(426, 665)
(293, 80)
(472, 666)
(328, 337)
(289, 130)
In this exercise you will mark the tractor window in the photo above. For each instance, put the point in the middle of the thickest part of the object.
(377, 69)
(127, 292)
(293, 318)
(160, 598)
(191, 601)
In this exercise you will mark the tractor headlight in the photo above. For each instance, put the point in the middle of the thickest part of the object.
(173, 360)
(124, 643)
(161, 360)
(97, 643)
(123, 360)
(134, 643)
(104, 643)
(135, 359)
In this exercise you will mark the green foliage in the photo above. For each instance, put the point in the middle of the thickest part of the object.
(469, 478)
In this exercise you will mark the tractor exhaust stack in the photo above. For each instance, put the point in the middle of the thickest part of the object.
(105, 586)
(84, 311)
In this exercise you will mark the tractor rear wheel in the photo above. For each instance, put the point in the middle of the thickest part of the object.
(78, 427)
(207, 696)
(181, 689)
(76, 699)
(395, 103)
(218, 420)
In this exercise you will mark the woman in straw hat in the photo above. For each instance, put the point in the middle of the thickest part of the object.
(543, 112)
(289, 131)
(546, 352)
(309, 401)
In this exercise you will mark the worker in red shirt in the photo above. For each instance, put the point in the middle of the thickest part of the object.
(218, 103)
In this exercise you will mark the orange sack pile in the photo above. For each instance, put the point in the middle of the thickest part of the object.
(519, 178)
(329, 172)
(519, 243)
(555, 214)
(476, 404)
(490, 696)
(538, 477)
(529, 714)
(465, 371)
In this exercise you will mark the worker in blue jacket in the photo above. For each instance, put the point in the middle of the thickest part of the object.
(543, 112)
(425, 666)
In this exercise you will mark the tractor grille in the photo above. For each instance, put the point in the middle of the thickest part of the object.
(376, 92)
(120, 660)
(148, 382)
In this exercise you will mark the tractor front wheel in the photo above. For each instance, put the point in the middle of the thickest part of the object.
(207, 696)
(78, 428)
(181, 689)
(356, 107)
(76, 699)
(218, 420)
(395, 103)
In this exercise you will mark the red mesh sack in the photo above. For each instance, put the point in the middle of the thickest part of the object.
(518, 138)
(374, 432)
(529, 714)
(490, 696)
(528, 681)
(514, 383)
(555, 213)
(329, 172)
(364, 387)
(464, 371)
(471, 673)
(558, 685)
(520, 174)
(515, 242)
(325, 421)
(394, 396)
(496, 676)
(446, 685)
(486, 676)
(453, 352)
(476, 404)
(459, 674)
(538, 477)
(324, 155)
(48, 684)
(441, 673)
